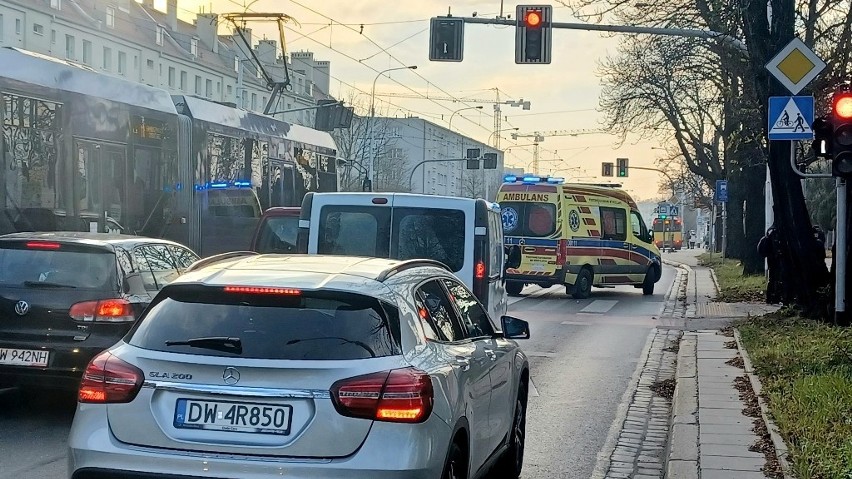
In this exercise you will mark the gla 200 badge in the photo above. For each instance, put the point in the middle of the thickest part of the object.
(162, 375)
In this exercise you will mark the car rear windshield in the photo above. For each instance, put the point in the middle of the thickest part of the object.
(398, 233)
(62, 266)
(309, 326)
(241, 203)
(278, 235)
(528, 219)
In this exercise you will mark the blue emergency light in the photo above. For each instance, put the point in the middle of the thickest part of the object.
(219, 185)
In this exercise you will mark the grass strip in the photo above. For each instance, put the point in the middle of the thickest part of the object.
(806, 371)
(734, 287)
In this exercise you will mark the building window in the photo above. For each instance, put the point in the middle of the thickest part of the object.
(161, 32)
(1, 28)
(218, 88)
(87, 52)
(38, 29)
(107, 59)
(122, 63)
(53, 37)
(171, 77)
(69, 47)
(197, 85)
(150, 64)
(230, 90)
(208, 88)
(183, 81)
(193, 46)
(236, 64)
(18, 26)
(254, 101)
(56, 4)
(110, 17)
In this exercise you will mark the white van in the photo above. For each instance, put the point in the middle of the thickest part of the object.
(463, 233)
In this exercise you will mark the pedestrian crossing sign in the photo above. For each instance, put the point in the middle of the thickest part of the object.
(791, 117)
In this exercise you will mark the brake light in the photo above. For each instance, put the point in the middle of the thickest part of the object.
(380, 201)
(262, 290)
(42, 245)
(480, 270)
(105, 311)
(108, 379)
(399, 395)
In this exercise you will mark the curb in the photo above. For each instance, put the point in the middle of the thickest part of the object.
(715, 282)
(781, 450)
(682, 448)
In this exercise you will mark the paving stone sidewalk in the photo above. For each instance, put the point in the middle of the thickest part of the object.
(710, 437)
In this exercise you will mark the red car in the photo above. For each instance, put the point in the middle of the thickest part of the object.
(277, 230)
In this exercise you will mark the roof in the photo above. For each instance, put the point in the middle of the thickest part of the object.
(572, 188)
(213, 112)
(49, 72)
(83, 237)
(349, 273)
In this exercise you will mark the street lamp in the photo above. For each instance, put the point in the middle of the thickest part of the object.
(498, 131)
(368, 181)
(462, 109)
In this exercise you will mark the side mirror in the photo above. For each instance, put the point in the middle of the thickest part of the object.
(514, 328)
(513, 259)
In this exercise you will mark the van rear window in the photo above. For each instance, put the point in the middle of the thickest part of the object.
(528, 219)
(398, 233)
(319, 325)
(278, 235)
(241, 203)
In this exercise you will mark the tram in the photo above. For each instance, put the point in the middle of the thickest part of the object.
(668, 233)
(86, 151)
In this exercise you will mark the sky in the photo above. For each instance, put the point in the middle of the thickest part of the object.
(563, 95)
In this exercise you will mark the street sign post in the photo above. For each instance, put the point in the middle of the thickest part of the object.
(722, 191)
(791, 117)
(795, 66)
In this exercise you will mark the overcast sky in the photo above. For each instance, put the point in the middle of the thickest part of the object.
(564, 95)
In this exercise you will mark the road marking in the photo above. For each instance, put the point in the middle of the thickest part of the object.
(536, 293)
(539, 354)
(533, 390)
(599, 306)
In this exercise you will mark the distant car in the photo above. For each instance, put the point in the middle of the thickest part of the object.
(254, 366)
(67, 296)
(277, 231)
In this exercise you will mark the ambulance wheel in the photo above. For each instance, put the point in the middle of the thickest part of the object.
(583, 286)
(648, 284)
(514, 288)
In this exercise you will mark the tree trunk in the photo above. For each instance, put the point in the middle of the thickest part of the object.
(806, 272)
(755, 219)
(737, 189)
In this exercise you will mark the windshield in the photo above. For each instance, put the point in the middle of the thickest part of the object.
(278, 235)
(315, 326)
(528, 219)
(72, 268)
(241, 203)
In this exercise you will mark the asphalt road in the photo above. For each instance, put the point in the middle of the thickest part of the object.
(583, 355)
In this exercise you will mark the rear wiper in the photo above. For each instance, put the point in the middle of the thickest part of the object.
(47, 284)
(347, 341)
(217, 343)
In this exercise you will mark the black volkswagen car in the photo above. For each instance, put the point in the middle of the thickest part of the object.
(66, 296)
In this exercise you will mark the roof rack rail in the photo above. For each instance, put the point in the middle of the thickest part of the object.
(217, 258)
(411, 263)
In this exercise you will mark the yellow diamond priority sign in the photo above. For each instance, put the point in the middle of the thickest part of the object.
(795, 66)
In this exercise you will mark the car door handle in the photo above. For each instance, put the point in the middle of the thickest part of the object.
(491, 354)
(462, 362)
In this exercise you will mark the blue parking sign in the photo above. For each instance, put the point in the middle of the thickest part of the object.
(722, 191)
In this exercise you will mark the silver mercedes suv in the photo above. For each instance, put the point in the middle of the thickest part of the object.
(256, 366)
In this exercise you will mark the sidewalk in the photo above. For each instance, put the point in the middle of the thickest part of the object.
(710, 435)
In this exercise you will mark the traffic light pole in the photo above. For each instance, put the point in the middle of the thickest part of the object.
(840, 253)
(729, 40)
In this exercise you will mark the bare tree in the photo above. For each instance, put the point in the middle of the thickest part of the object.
(472, 184)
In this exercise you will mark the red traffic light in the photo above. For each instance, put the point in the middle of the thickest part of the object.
(843, 106)
(533, 19)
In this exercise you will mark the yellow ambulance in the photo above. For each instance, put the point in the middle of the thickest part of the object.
(579, 235)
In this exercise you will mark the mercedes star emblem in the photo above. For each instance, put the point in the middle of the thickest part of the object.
(22, 308)
(231, 376)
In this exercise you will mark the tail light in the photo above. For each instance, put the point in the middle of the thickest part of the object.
(108, 379)
(399, 395)
(104, 311)
(479, 272)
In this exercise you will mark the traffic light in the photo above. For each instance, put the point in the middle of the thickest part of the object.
(622, 167)
(446, 39)
(841, 144)
(822, 137)
(533, 34)
(606, 169)
(489, 161)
